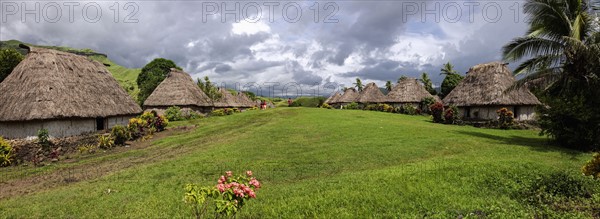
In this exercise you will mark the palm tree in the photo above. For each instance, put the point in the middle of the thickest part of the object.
(358, 84)
(402, 78)
(447, 69)
(560, 41)
(388, 86)
(427, 83)
(562, 47)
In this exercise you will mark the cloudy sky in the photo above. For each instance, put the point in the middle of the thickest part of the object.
(287, 47)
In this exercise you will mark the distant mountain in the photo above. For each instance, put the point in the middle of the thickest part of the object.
(126, 77)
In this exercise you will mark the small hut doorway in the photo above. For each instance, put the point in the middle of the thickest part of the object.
(99, 123)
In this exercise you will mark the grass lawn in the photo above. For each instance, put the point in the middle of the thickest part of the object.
(314, 163)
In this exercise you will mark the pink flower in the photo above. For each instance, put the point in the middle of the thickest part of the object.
(249, 173)
(229, 173)
(221, 187)
(223, 179)
(255, 183)
(247, 190)
(252, 194)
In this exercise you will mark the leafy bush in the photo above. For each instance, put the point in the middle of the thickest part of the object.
(408, 109)
(352, 105)
(120, 134)
(9, 59)
(437, 111)
(592, 167)
(87, 148)
(44, 139)
(218, 112)
(229, 196)
(192, 115)
(425, 103)
(371, 107)
(326, 106)
(451, 115)
(173, 113)
(505, 118)
(147, 123)
(105, 142)
(6, 153)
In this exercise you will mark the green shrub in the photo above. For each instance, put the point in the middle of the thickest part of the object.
(425, 103)
(326, 106)
(87, 148)
(218, 112)
(371, 107)
(173, 113)
(408, 109)
(437, 112)
(6, 153)
(43, 138)
(192, 115)
(592, 167)
(105, 141)
(120, 134)
(352, 106)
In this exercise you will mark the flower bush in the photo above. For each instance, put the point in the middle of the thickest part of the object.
(229, 195)
(437, 111)
(592, 167)
(451, 115)
(146, 124)
(120, 134)
(6, 153)
(105, 142)
(425, 103)
(505, 118)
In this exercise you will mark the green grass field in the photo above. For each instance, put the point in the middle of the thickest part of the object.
(312, 163)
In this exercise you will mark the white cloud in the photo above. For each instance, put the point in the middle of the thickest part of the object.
(245, 27)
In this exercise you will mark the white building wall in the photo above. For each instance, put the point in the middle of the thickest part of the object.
(523, 113)
(57, 128)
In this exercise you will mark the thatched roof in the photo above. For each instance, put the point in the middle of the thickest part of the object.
(487, 84)
(371, 94)
(178, 89)
(349, 96)
(245, 100)
(333, 98)
(227, 100)
(50, 84)
(408, 90)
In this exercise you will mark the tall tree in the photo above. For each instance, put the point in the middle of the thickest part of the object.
(151, 75)
(209, 88)
(450, 81)
(358, 84)
(388, 86)
(9, 59)
(428, 84)
(562, 51)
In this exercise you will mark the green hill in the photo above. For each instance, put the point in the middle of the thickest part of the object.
(125, 76)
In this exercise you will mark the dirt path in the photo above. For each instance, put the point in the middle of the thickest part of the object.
(95, 169)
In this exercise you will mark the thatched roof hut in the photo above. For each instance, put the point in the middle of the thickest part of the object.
(487, 85)
(245, 100)
(333, 98)
(227, 100)
(178, 89)
(408, 90)
(350, 95)
(371, 94)
(51, 85)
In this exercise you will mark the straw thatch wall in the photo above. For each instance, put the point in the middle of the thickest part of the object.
(407, 91)
(178, 89)
(245, 101)
(227, 100)
(485, 89)
(350, 95)
(54, 87)
(333, 98)
(371, 94)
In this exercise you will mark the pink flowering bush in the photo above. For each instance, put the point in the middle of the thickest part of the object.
(229, 195)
